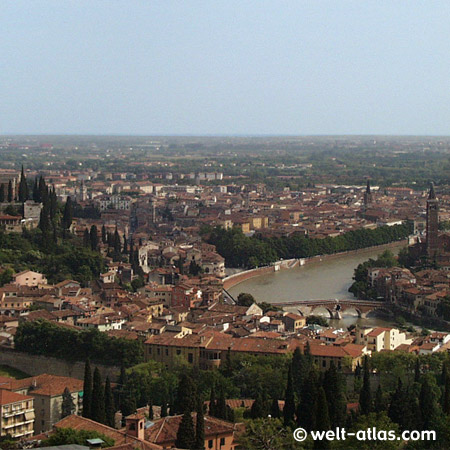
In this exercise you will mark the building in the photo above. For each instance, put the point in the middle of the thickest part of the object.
(47, 393)
(17, 414)
(432, 244)
(29, 278)
(377, 339)
(219, 434)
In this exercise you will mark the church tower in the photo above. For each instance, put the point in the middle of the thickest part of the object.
(432, 223)
(367, 196)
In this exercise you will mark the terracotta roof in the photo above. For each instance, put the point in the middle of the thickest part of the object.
(165, 430)
(7, 397)
(120, 437)
(48, 384)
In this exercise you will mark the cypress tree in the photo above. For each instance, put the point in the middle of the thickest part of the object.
(289, 401)
(186, 395)
(334, 391)
(417, 371)
(379, 402)
(306, 411)
(68, 405)
(221, 408)
(298, 369)
(275, 409)
(93, 238)
(321, 418)
(212, 402)
(186, 434)
(104, 236)
(23, 187)
(200, 427)
(258, 409)
(125, 245)
(446, 395)
(86, 238)
(150, 410)
(98, 398)
(427, 405)
(67, 214)
(228, 372)
(164, 409)
(365, 395)
(87, 390)
(10, 192)
(109, 404)
(53, 204)
(36, 195)
(2, 193)
(395, 411)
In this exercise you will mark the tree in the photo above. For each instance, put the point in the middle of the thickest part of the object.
(267, 434)
(93, 238)
(289, 401)
(23, 187)
(221, 406)
(98, 398)
(259, 406)
(365, 395)
(67, 214)
(427, 404)
(104, 235)
(322, 418)
(446, 395)
(379, 401)
(86, 238)
(245, 299)
(68, 405)
(87, 390)
(10, 192)
(275, 409)
(212, 402)
(200, 427)
(164, 409)
(2, 193)
(185, 434)
(109, 404)
(334, 390)
(307, 407)
(67, 436)
(186, 394)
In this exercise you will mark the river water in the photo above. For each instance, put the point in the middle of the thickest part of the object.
(324, 280)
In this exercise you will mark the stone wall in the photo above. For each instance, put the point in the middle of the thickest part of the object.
(37, 364)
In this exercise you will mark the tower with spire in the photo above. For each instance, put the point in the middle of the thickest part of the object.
(367, 196)
(432, 243)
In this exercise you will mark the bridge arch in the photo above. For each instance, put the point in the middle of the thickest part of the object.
(345, 309)
(322, 308)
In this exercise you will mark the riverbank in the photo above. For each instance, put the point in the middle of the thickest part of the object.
(235, 279)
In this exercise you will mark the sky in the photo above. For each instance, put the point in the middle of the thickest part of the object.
(232, 67)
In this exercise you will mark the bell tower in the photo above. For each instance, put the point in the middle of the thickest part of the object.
(367, 196)
(432, 246)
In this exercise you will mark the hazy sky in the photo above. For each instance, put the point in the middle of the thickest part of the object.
(225, 67)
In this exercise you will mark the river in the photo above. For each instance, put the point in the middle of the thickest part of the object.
(328, 279)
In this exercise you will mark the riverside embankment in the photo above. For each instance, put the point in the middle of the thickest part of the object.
(318, 277)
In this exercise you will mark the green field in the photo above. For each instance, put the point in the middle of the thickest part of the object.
(6, 371)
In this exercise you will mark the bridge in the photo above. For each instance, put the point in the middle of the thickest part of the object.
(335, 307)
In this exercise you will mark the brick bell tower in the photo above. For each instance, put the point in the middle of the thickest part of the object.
(432, 246)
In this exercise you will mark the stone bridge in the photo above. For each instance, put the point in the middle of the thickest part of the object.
(335, 307)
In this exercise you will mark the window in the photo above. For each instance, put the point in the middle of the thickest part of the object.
(159, 351)
(178, 352)
(210, 443)
(190, 358)
(222, 441)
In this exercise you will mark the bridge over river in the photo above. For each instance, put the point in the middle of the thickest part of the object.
(336, 307)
